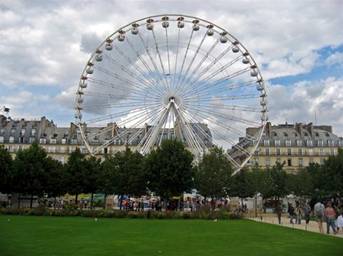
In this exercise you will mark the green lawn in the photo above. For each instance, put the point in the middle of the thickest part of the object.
(50, 236)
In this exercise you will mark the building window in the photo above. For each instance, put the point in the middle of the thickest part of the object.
(2, 131)
(333, 151)
(278, 152)
(309, 143)
(31, 140)
(267, 161)
(53, 141)
(331, 143)
(64, 141)
(42, 141)
(289, 151)
(267, 151)
(1, 139)
(288, 143)
(277, 143)
(299, 143)
(300, 151)
(310, 151)
(301, 162)
(33, 132)
(11, 139)
(22, 131)
(320, 143)
(289, 162)
(266, 143)
(321, 152)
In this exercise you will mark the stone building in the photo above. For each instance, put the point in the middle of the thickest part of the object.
(59, 142)
(295, 145)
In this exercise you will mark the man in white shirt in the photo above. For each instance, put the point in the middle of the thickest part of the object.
(319, 213)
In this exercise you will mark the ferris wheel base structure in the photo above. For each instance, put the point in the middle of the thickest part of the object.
(181, 76)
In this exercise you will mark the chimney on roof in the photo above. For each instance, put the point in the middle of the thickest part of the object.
(299, 128)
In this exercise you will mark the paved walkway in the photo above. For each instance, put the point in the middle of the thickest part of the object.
(312, 226)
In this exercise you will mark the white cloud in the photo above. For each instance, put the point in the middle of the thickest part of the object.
(320, 102)
(49, 42)
(334, 59)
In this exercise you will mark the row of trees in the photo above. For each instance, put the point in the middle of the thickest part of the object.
(167, 171)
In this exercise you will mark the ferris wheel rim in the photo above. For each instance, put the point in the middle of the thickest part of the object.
(242, 50)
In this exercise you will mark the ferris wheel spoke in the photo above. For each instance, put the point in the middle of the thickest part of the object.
(176, 58)
(118, 77)
(158, 52)
(184, 77)
(151, 140)
(167, 41)
(125, 133)
(117, 87)
(114, 105)
(145, 64)
(225, 116)
(157, 71)
(205, 83)
(221, 136)
(183, 61)
(112, 116)
(191, 136)
(131, 74)
(140, 71)
(220, 89)
(208, 53)
(225, 138)
(211, 64)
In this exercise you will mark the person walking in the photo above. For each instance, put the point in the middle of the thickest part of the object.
(307, 213)
(339, 223)
(298, 213)
(330, 216)
(291, 213)
(319, 214)
(278, 211)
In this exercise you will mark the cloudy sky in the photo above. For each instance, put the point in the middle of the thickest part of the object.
(298, 45)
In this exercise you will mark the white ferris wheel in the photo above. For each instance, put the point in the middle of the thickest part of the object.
(172, 76)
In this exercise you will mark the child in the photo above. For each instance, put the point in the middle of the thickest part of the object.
(339, 222)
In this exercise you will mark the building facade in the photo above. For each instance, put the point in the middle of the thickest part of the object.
(59, 142)
(294, 145)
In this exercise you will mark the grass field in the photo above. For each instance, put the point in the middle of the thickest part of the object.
(65, 236)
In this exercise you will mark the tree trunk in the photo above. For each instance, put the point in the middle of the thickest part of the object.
(18, 200)
(76, 199)
(105, 196)
(55, 202)
(31, 200)
(92, 195)
(121, 202)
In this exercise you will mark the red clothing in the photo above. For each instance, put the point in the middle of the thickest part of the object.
(330, 212)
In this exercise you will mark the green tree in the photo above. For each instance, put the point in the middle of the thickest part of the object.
(300, 184)
(54, 178)
(29, 171)
(6, 168)
(169, 169)
(92, 176)
(75, 173)
(241, 185)
(213, 174)
(332, 174)
(123, 174)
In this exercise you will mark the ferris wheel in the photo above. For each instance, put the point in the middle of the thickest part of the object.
(172, 76)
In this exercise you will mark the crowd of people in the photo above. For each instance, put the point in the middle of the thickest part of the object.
(329, 211)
